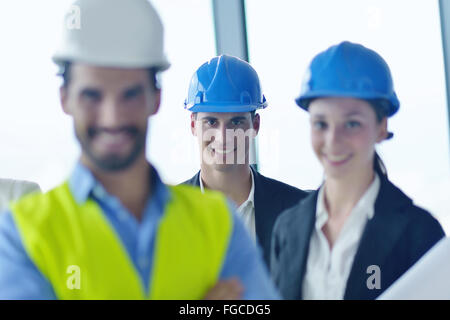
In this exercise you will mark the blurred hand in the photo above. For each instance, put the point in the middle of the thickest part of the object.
(230, 289)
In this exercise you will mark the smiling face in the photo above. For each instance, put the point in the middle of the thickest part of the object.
(110, 108)
(224, 138)
(344, 132)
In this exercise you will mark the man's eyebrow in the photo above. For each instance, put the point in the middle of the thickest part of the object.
(208, 118)
(238, 118)
(353, 113)
(318, 116)
(89, 91)
(133, 90)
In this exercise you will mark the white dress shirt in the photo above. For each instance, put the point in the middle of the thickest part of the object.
(327, 271)
(11, 190)
(246, 210)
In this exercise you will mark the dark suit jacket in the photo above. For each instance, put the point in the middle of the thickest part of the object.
(270, 199)
(394, 239)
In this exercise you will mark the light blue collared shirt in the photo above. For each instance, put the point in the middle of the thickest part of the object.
(20, 278)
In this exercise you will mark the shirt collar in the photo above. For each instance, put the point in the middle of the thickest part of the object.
(365, 204)
(369, 197)
(251, 195)
(83, 184)
(321, 211)
(202, 188)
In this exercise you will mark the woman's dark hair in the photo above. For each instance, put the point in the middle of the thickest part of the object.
(378, 166)
(64, 72)
(380, 106)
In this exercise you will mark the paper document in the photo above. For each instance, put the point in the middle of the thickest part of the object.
(429, 278)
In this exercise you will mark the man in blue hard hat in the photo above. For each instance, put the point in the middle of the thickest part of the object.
(223, 97)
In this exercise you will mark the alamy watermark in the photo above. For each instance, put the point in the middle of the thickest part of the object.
(374, 280)
(232, 148)
(74, 279)
(72, 20)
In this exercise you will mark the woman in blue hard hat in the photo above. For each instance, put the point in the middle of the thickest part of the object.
(355, 235)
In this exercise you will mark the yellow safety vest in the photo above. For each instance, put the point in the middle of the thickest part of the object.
(78, 251)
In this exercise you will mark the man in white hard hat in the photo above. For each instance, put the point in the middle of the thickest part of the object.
(12, 190)
(113, 230)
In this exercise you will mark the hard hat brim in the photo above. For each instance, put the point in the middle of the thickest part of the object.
(104, 62)
(223, 108)
(304, 100)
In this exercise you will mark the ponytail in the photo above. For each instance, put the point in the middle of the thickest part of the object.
(378, 166)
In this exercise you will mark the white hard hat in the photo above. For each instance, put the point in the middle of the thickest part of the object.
(113, 33)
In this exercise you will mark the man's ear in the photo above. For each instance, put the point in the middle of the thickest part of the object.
(193, 120)
(63, 98)
(157, 102)
(256, 123)
(383, 133)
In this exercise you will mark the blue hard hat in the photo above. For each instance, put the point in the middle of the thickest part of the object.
(225, 84)
(350, 70)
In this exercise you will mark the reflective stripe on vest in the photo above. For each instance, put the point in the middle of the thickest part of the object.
(78, 251)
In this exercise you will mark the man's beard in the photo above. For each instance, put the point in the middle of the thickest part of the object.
(112, 162)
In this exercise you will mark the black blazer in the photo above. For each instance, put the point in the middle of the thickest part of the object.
(394, 239)
(270, 199)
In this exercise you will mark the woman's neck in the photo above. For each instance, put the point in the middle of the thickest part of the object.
(340, 197)
(342, 194)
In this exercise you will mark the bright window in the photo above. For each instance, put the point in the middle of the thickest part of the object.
(189, 30)
(36, 137)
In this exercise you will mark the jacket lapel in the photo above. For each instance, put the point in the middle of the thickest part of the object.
(262, 205)
(379, 238)
(298, 245)
(194, 181)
